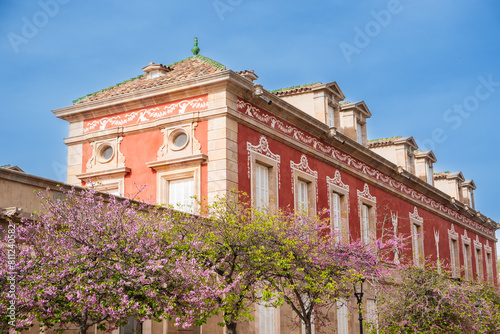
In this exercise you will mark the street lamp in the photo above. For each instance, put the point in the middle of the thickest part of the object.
(479, 306)
(359, 297)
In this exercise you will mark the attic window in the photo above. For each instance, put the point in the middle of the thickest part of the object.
(154, 74)
(155, 70)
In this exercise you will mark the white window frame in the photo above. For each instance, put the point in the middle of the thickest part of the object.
(417, 237)
(186, 202)
(359, 132)
(368, 234)
(331, 116)
(339, 217)
(302, 197)
(342, 316)
(454, 257)
(429, 172)
(478, 255)
(266, 319)
(261, 155)
(164, 177)
(489, 266)
(261, 196)
(112, 187)
(371, 312)
(479, 263)
(467, 254)
(302, 172)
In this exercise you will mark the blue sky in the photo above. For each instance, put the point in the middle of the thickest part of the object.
(427, 69)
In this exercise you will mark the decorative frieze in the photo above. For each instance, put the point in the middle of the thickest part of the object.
(292, 131)
(147, 114)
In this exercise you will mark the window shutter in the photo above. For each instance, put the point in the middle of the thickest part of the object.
(302, 198)
(266, 320)
(366, 223)
(336, 214)
(261, 186)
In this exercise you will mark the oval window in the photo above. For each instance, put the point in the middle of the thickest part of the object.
(106, 153)
(180, 139)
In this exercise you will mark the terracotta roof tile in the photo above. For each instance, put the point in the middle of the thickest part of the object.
(295, 89)
(382, 141)
(191, 67)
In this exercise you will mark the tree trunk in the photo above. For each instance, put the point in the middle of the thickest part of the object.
(308, 327)
(82, 330)
(231, 327)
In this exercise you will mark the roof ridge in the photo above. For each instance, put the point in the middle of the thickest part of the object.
(207, 60)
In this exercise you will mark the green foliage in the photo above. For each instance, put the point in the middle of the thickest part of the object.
(424, 300)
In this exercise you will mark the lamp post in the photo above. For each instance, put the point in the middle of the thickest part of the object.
(359, 297)
(479, 306)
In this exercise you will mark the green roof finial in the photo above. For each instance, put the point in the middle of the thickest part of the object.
(195, 50)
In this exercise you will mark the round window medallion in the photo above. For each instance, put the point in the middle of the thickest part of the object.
(179, 140)
(106, 153)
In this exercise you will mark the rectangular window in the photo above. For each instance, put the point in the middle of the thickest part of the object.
(303, 196)
(371, 312)
(471, 201)
(418, 245)
(133, 326)
(266, 319)
(336, 212)
(180, 194)
(489, 267)
(454, 258)
(479, 265)
(467, 259)
(430, 178)
(365, 223)
(409, 166)
(261, 198)
(331, 116)
(359, 132)
(342, 316)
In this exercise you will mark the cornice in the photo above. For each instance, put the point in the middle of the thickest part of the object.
(372, 165)
(143, 98)
(114, 173)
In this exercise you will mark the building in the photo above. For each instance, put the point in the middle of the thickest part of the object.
(195, 128)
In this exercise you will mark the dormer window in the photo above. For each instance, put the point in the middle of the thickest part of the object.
(352, 120)
(156, 70)
(468, 188)
(154, 74)
(424, 162)
(400, 151)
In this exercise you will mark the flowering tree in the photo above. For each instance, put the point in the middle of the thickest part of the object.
(88, 261)
(310, 269)
(231, 232)
(423, 300)
(276, 257)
